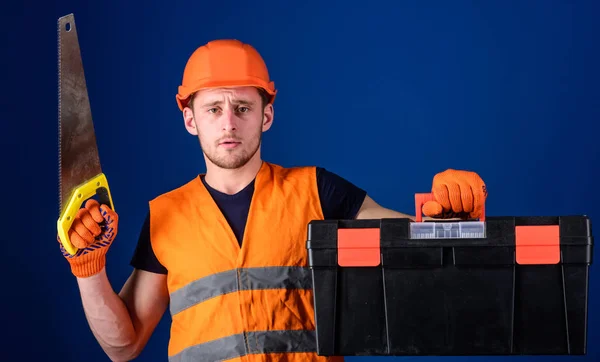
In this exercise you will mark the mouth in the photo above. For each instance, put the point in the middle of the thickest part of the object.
(229, 143)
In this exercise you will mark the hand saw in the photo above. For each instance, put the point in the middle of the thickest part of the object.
(80, 173)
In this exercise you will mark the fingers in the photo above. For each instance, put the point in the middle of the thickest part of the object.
(454, 194)
(465, 193)
(478, 192)
(112, 222)
(432, 209)
(85, 228)
(448, 194)
(79, 235)
(479, 197)
(77, 240)
(440, 191)
(92, 221)
(459, 192)
(94, 209)
(109, 215)
(100, 213)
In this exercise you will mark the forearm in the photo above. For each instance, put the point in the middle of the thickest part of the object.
(108, 317)
(372, 210)
(383, 213)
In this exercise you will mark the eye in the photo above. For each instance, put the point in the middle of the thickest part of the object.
(212, 110)
(243, 109)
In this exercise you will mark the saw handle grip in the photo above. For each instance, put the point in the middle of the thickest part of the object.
(96, 186)
(422, 198)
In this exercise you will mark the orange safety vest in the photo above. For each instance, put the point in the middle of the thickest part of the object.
(253, 303)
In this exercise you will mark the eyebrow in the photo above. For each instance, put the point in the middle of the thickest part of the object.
(236, 102)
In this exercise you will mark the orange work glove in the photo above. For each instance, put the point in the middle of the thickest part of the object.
(456, 194)
(92, 232)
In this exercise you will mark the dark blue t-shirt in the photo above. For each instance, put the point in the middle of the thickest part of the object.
(340, 199)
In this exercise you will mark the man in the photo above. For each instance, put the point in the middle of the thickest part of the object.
(227, 249)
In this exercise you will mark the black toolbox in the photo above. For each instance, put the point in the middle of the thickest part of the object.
(498, 286)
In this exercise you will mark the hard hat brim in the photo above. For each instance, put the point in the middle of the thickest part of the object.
(184, 92)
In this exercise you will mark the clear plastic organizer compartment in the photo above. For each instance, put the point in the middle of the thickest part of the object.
(447, 230)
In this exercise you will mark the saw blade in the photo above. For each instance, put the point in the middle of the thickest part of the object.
(78, 153)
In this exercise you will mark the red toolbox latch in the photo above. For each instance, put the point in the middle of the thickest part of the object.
(359, 247)
(537, 244)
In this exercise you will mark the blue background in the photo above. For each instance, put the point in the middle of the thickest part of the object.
(385, 95)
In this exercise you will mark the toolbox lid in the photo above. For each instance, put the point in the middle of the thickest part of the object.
(403, 242)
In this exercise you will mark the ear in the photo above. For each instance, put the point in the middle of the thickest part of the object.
(190, 123)
(269, 114)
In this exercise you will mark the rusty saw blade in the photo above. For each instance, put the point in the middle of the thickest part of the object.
(80, 172)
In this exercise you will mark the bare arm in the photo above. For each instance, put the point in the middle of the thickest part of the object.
(372, 210)
(122, 323)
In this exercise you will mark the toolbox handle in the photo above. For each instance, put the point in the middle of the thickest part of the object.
(422, 198)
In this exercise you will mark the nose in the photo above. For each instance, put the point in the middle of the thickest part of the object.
(228, 120)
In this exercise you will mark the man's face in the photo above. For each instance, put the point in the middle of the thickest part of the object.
(229, 123)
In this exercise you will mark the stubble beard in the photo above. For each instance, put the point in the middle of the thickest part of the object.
(232, 159)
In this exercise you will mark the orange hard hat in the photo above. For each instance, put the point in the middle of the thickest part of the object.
(224, 63)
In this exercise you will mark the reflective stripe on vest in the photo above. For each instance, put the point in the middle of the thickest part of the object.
(279, 277)
(248, 343)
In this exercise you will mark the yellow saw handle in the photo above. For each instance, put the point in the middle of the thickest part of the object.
(98, 185)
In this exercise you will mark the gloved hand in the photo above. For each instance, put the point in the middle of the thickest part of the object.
(456, 194)
(92, 232)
